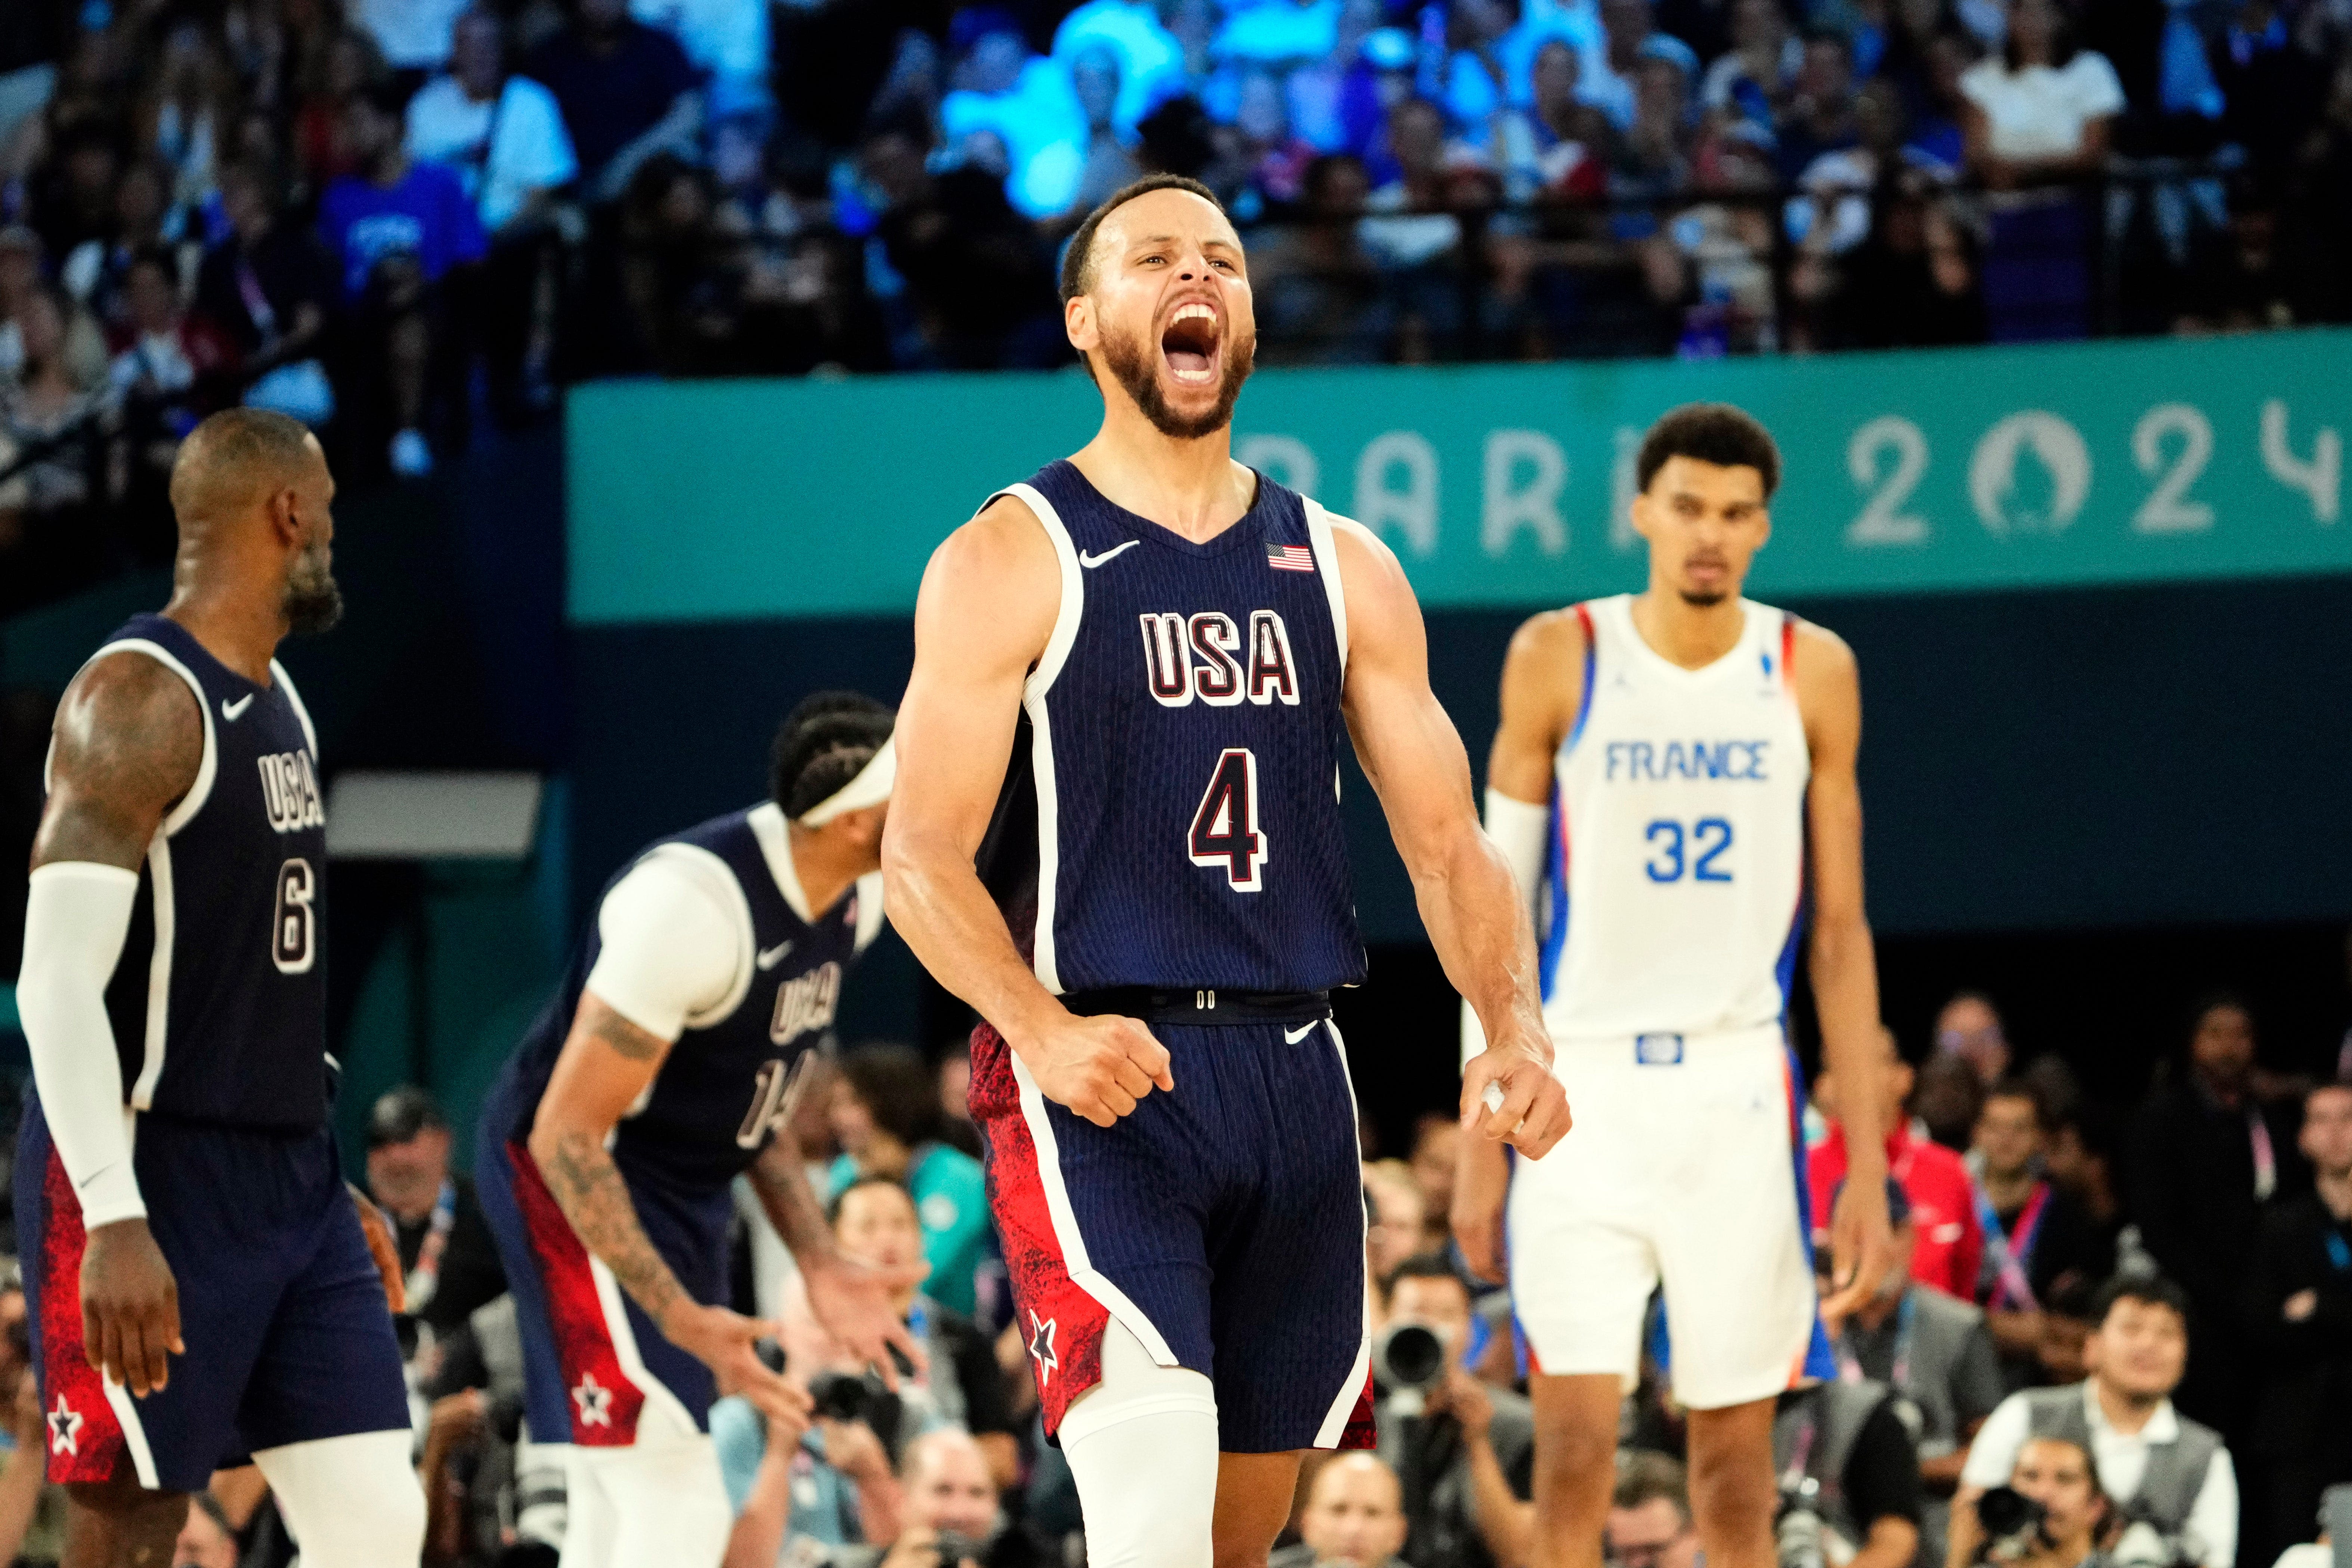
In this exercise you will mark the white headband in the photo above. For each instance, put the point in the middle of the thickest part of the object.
(870, 787)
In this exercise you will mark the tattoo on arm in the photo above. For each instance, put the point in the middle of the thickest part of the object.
(130, 742)
(589, 1189)
(783, 1188)
(610, 1028)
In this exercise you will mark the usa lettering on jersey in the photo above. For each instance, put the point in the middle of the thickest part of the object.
(1203, 656)
(805, 1004)
(290, 792)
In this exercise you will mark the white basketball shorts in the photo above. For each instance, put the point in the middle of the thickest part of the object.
(1682, 1170)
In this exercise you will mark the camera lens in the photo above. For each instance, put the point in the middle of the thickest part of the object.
(1409, 1355)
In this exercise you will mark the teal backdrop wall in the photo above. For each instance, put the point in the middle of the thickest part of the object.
(1507, 485)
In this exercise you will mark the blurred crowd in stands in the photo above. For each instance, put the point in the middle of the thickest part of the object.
(2140, 1322)
(397, 219)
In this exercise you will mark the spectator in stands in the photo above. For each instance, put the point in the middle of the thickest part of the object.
(24, 1475)
(1317, 293)
(1756, 78)
(1275, 159)
(1912, 282)
(56, 427)
(1557, 149)
(94, 271)
(1970, 1028)
(345, 65)
(626, 92)
(980, 285)
(1943, 1207)
(1849, 1439)
(266, 286)
(874, 1221)
(71, 198)
(414, 35)
(503, 134)
(2162, 1469)
(1436, 1146)
(812, 1490)
(2206, 1155)
(395, 232)
(1094, 78)
(190, 113)
(1653, 161)
(886, 1112)
(1608, 83)
(2301, 1316)
(169, 370)
(2077, 1518)
(1468, 1449)
(952, 1518)
(1820, 114)
(1354, 1517)
(1025, 98)
(1649, 1523)
(1933, 1353)
(2038, 117)
(2038, 1243)
(727, 42)
(1149, 61)
(1395, 1211)
(205, 1541)
(445, 1251)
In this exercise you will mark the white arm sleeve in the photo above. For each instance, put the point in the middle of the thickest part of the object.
(1518, 830)
(673, 947)
(75, 916)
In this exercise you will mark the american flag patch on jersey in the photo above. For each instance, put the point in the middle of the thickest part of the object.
(1291, 558)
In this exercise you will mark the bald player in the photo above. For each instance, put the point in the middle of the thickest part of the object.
(201, 1282)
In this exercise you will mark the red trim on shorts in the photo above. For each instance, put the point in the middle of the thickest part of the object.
(605, 1400)
(1062, 1325)
(86, 1442)
(1361, 1432)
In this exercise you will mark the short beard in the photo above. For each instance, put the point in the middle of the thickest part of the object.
(1702, 601)
(313, 603)
(1135, 369)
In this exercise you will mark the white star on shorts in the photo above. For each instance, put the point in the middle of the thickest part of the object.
(594, 1400)
(64, 1429)
(1041, 1348)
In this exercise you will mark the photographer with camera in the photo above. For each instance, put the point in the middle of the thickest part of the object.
(1463, 1452)
(1849, 1477)
(2170, 1477)
(950, 1517)
(2053, 1513)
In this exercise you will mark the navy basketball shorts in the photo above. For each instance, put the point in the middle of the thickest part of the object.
(281, 1307)
(1223, 1224)
(596, 1372)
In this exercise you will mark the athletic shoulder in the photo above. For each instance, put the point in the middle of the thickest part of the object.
(1002, 559)
(1820, 646)
(1549, 647)
(128, 744)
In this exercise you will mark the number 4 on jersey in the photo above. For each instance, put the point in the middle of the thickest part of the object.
(1224, 830)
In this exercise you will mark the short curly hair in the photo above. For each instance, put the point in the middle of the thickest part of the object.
(1712, 433)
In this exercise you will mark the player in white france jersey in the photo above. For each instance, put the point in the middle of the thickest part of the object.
(1673, 781)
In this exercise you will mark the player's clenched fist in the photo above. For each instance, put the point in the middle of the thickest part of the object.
(1097, 1066)
(130, 1307)
(1509, 1095)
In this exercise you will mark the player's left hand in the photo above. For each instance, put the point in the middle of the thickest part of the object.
(1863, 1243)
(1509, 1095)
(852, 1301)
(383, 1246)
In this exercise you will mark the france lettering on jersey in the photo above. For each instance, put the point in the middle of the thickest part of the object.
(1675, 876)
(1170, 817)
(713, 1106)
(219, 1000)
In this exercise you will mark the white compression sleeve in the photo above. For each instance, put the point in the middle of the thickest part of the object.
(1518, 830)
(672, 949)
(75, 917)
(1142, 1446)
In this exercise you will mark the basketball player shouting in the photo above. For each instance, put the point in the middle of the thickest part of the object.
(177, 1191)
(1693, 747)
(656, 1077)
(1131, 678)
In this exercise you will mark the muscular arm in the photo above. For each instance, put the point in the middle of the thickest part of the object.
(1844, 969)
(129, 744)
(1472, 907)
(607, 1063)
(987, 607)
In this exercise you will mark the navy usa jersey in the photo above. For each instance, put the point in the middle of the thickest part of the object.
(1170, 817)
(716, 1102)
(219, 1001)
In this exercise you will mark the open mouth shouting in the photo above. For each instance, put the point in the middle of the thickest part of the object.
(1189, 344)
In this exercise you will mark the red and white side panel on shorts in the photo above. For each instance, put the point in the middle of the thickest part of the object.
(610, 1390)
(1064, 1302)
(93, 1422)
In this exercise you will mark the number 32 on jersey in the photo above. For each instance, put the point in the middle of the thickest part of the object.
(1225, 832)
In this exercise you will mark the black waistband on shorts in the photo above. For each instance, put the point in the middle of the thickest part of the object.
(1202, 1008)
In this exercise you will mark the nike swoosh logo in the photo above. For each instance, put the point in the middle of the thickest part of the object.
(1292, 1036)
(233, 712)
(772, 956)
(1091, 562)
